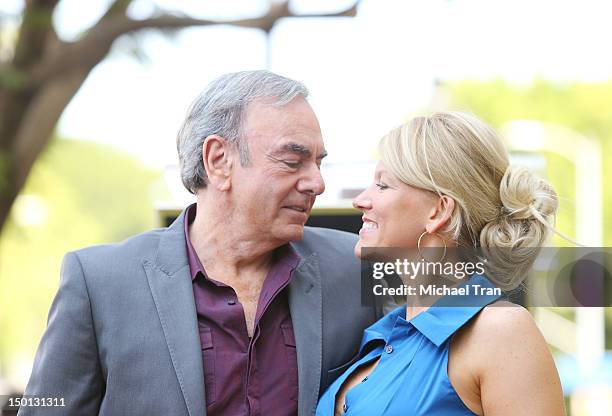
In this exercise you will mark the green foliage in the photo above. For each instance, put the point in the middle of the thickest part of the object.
(579, 106)
(86, 194)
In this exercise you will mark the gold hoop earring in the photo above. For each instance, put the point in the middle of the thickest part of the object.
(419, 245)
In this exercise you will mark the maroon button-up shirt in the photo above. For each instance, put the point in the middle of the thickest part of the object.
(242, 375)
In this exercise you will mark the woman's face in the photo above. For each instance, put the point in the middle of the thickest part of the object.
(394, 214)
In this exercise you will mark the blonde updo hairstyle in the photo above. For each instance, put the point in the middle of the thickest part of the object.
(504, 209)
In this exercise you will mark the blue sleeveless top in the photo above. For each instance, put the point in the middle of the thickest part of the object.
(411, 377)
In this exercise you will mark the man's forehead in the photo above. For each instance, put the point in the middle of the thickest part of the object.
(264, 108)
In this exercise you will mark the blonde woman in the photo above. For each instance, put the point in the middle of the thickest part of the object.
(446, 180)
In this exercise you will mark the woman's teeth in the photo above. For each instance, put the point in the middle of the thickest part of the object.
(369, 226)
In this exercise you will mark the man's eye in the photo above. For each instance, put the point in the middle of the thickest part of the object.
(292, 165)
(381, 186)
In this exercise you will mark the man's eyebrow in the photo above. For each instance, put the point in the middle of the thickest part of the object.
(301, 150)
(297, 148)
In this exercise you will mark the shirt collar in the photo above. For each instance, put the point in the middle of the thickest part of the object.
(381, 330)
(440, 321)
(195, 265)
(445, 317)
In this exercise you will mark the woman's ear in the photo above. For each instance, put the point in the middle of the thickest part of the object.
(440, 214)
(217, 157)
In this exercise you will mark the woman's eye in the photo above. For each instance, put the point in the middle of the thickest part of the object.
(381, 186)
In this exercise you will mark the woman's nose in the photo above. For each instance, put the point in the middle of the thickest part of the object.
(362, 202)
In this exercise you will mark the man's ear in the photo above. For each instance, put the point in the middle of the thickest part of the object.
(440, 214)
(218, 159)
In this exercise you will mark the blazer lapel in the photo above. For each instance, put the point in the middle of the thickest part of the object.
(305, 304)
(172, 290)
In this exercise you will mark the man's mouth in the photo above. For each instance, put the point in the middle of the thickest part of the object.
(297, 208)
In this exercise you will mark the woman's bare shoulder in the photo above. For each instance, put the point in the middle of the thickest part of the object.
(502, 326)
(501, 331)
(501, 317)
(504, 319)
(508, 360)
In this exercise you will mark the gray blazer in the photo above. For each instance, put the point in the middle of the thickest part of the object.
(122, 335)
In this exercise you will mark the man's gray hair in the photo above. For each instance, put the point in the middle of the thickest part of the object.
(220, 110)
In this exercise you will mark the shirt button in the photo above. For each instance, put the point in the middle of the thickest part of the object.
(344, 407)
(389, 349)
(231, 302)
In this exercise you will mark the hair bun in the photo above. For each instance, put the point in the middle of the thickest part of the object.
(513, 240)
(525, 196)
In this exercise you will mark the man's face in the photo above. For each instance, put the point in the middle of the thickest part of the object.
(274, 194)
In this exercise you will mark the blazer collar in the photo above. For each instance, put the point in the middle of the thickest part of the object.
(172, 291)
(171, 252)
(306, 307)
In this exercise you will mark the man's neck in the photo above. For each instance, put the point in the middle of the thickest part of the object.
(225, 249)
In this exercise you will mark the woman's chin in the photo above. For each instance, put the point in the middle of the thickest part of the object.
(358, 251)
(359, 247)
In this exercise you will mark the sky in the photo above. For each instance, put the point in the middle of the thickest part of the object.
(366, 74)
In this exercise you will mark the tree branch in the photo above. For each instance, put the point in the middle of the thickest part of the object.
(119, 7)
(88, 51)
(40, 119)
(34, 32)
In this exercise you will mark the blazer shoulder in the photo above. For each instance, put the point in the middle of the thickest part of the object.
(327, 242)
(318, 235)
(137, 246)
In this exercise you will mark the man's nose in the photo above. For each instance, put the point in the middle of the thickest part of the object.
(313, 182)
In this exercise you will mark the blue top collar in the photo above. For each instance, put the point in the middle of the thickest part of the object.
(441, 320)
